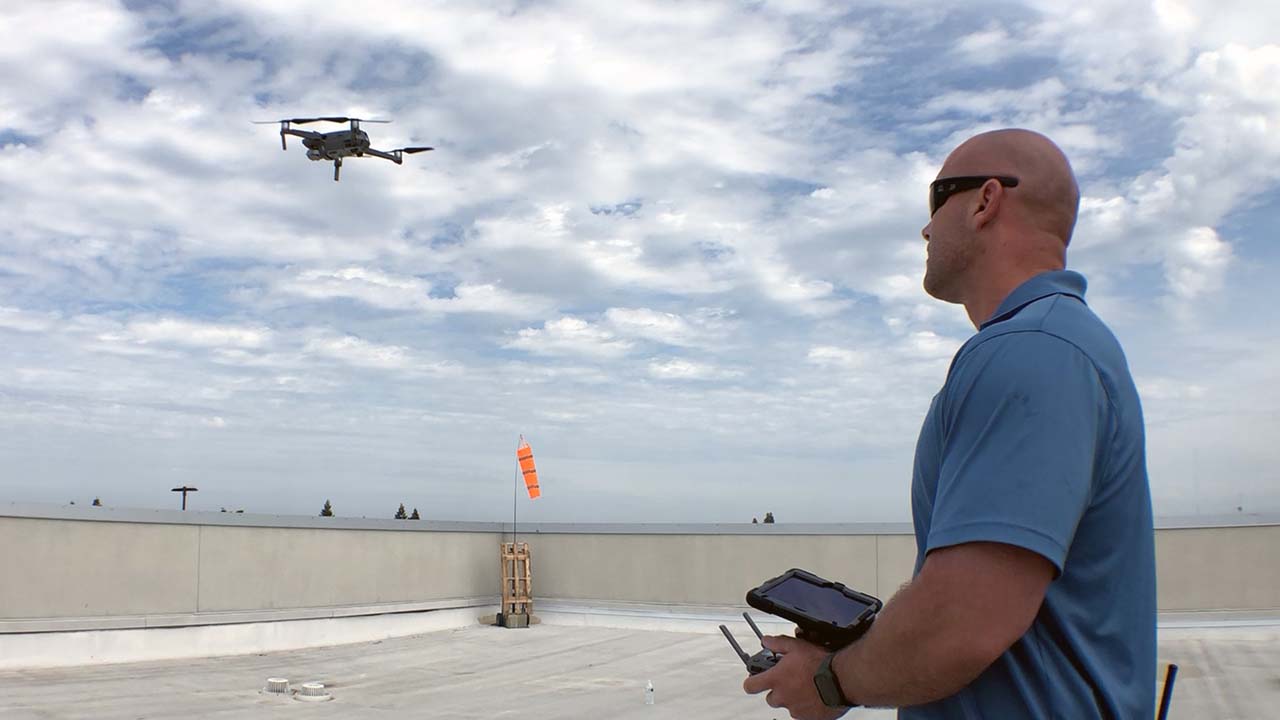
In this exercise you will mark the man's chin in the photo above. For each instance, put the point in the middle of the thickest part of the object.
(938, 291)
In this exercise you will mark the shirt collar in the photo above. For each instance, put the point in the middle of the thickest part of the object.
(1054, 282)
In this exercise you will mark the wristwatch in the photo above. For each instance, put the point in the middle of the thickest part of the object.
(829, 685)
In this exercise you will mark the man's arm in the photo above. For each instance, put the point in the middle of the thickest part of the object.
(969, 603)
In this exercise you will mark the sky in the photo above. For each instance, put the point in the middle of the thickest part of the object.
(675, 245)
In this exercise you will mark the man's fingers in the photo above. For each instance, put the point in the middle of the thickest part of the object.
(780, 644)
(756, 684)
(769, 699)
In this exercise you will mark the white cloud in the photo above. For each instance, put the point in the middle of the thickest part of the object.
(898, 287)
(1158, 389)
(361, 353)
(19, 319)
(177, 331)
(837, 356)
(396, 292)
(369, 286)
(988, 46)
(647, 324)
(1197, 263)
(681, 369)
(570, 336)
(928, 345)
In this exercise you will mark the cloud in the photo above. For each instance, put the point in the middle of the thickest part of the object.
(570, 336)
(681, 369)
(24, 321)
(176, 331)
(661, 327)
(990, 45)
(1197, 264)
(394, 292)
(836, 356)
(360, 353)
(369, 286)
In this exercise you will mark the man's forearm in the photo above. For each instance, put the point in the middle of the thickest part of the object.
(911, 655)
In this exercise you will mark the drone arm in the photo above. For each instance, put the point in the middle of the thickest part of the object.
(286, 130)
(393, 156)
(301, 133)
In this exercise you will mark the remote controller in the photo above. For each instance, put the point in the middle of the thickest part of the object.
(761, 661)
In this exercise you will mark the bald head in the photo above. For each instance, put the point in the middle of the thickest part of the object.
(1047, 196)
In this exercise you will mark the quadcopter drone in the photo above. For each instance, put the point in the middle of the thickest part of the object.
(339, 144)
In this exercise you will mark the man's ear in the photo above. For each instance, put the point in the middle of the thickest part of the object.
(990, 197)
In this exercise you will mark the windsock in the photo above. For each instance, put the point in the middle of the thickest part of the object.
(524, 454)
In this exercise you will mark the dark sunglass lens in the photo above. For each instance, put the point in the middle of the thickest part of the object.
(938, 194)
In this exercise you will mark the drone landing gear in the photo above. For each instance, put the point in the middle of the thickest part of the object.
(337, 167)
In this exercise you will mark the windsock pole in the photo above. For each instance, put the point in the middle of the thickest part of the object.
(515, 494)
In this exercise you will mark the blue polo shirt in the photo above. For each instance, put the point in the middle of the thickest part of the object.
(1036, 440)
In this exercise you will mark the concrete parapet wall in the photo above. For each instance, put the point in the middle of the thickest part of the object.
(1218, 568)
(305, 567)
(84, 568)
(71, 568)
(202, 565)
(709, 569)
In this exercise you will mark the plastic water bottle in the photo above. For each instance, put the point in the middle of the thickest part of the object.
(648, 693)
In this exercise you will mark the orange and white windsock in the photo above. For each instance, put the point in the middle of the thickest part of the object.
(524, 454)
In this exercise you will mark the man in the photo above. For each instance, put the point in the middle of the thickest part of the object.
(1034, 587)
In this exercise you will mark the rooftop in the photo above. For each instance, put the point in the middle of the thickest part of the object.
(547, 671)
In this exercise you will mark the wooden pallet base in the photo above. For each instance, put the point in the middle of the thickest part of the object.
(517, 582)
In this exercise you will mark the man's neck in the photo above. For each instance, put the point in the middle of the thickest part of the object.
(983, 301)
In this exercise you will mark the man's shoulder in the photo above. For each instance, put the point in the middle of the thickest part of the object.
(1068, 320)
(1015, 347)
(1052, 343)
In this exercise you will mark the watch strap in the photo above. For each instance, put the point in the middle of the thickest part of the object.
(828, 685)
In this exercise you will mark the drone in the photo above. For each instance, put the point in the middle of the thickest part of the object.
(338, 144)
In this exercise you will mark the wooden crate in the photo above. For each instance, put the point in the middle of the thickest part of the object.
(517, 580)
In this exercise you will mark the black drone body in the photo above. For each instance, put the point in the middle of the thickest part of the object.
(339, 144)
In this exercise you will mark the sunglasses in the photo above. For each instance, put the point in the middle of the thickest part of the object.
(943, 188)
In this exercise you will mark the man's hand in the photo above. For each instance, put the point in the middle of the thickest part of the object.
(790, 682)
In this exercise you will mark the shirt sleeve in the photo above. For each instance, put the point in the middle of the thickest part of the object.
(1023, 419)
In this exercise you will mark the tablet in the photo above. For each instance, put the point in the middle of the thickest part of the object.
(827, 613)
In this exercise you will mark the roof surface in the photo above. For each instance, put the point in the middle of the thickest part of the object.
(546, 671)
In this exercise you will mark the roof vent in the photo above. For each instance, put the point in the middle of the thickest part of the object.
(278, 685)
(313, 692)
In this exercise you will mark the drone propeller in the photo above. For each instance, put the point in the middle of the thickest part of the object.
(411, 150)
(304, 121)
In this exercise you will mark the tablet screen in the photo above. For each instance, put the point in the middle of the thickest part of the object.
(825, 603)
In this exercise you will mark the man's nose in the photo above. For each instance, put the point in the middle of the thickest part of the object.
(924, 231)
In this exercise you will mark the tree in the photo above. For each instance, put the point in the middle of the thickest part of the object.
(97, 502)
(400, 514)
(327, 510)
(768, 517)
(755, 521)
(415, 515)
